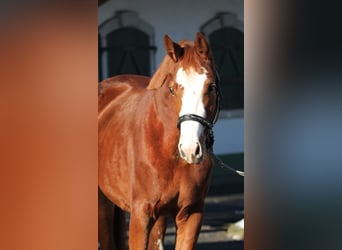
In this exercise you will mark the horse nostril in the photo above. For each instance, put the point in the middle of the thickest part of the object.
(198, 150)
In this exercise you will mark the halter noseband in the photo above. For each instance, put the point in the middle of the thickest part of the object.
(193, 117)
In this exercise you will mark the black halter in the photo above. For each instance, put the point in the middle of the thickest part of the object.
(202, 120)
(193, 117)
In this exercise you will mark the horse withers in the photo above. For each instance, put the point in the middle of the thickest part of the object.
(155, 148)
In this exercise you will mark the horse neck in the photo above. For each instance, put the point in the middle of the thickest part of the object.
(161, 75)
(163, 102)
(164, 116)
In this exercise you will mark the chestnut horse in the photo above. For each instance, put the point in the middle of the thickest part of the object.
(155, 148)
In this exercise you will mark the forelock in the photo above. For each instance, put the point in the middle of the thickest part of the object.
(191, 59)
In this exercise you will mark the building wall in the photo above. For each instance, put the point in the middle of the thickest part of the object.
(181, 19)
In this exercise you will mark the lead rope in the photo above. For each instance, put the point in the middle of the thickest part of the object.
(224, 165)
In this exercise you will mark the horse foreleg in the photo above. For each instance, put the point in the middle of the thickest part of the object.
(188, 228)
(139, 227)
(156, 238)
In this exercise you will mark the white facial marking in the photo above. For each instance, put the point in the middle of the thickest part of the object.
(192, 83)
(192, 103)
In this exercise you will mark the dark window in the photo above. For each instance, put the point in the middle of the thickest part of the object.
(225, 34)
(128, 52)
(227, 47)
(126, 45)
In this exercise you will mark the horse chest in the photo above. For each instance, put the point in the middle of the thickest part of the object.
(186, 184)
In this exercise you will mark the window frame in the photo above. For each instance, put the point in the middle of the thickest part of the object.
(123, 19)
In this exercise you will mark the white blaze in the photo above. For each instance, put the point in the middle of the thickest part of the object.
(192, 103)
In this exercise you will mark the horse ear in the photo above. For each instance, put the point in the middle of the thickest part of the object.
(201, 45)
(173, 49)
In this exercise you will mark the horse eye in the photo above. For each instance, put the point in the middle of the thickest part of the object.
(172, 91)
(211, 87)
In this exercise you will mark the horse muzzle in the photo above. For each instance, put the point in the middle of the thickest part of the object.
(190, 148)
(192, 154)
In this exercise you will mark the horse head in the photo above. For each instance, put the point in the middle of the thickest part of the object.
(195, 90)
